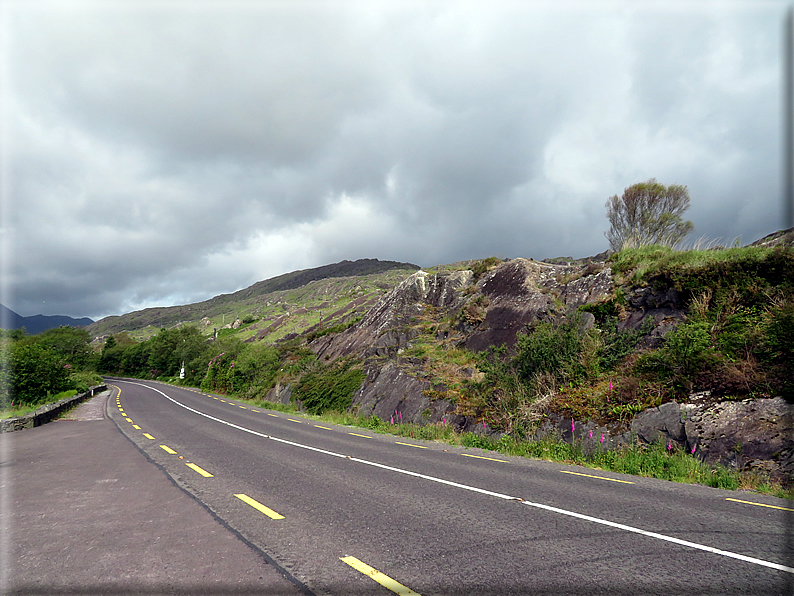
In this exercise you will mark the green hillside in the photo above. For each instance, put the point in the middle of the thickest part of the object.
(273, 308)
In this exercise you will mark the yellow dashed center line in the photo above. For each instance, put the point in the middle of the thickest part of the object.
(382, 579)
(128, 419)
(136, 427)
(243, 407)
(759, 504)
(355, 435)
(411, 445)
(199, 470)
(291, 420)
(504, 461)
(274, 416)
(167, 449)
(259, 507)
(597, 477)
(324, 427)
(148, 436)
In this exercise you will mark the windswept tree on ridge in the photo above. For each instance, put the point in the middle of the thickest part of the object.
(648, 213)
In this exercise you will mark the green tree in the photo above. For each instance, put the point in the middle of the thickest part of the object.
(35, 372)
(72, 343)
(648, 213)
(171, 347)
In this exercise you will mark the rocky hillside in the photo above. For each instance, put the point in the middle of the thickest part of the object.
(270, 309)
(706, 350)
(691, 348)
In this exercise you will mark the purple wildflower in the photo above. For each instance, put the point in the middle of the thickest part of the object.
(602, 438)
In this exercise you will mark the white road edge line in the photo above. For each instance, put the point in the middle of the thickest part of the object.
(582, 516)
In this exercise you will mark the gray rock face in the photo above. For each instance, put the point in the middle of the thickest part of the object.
(740, 434)
(588, 288)
(390, 392)
(397, 307)
(523, 291)
(660, 424)
(280, 393)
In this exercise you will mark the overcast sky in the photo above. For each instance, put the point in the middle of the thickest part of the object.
(163, 153)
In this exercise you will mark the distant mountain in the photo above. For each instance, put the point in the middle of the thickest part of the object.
(310, 294)
(38, 323)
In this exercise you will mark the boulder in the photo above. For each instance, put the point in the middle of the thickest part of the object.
(740, 434)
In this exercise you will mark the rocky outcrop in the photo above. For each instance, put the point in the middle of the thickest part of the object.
(780, 238)
(280, 394)
(389, 392)
(523, 291)
(396, 308)
(662, 307)
(744, 435)
(747, 434)
(503, 302)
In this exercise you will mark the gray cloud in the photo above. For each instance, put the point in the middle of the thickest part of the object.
(165, 153)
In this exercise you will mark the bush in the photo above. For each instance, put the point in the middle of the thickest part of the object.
(329, 387)
(82, 380)
(778, 347)
(686, 353)
(35, 373)
(562, 351)
(482, 266)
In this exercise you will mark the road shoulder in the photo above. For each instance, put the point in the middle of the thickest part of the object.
(86, 513)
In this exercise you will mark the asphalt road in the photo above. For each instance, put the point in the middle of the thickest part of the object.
(346, 511)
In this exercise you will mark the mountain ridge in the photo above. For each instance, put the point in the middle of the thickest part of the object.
(260, 299)
(36, 324)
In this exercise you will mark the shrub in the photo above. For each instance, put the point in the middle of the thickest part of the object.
(686, 353)
(778, 347)
(329, 387)
(482, 266)
(35, 372)
(562, 351)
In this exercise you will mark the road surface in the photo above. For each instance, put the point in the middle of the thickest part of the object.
(347, 511)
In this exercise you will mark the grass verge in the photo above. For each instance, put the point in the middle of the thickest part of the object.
(16, 412)
(649, 461)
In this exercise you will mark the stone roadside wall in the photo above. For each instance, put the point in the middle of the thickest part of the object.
(48, 412)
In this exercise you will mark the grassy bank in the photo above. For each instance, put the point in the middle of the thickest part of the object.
(17, 411)
(650, 461)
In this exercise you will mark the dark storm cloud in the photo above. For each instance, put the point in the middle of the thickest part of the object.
(162, 153)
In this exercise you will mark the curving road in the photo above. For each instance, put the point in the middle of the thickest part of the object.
(347, 511)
